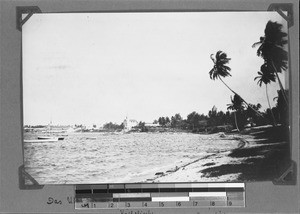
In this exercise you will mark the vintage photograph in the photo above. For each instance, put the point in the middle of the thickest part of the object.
(155, 97)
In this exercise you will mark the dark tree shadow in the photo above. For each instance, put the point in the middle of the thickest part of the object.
(263, 162)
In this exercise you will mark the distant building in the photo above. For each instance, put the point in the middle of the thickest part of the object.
(129, 123)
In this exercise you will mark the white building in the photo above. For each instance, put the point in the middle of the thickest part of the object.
(129, 123)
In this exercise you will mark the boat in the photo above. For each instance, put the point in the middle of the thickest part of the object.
(50, 138)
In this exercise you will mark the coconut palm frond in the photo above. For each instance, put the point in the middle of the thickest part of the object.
(220, 68)
(211, 56)
(256, 77)
(213, 73)
(261, 41)
(255, 44)
(223, 72)
(265, 75)
(230, 107)
(272, 50)
(274, 33)
(258, 106)
(236, 103)
(259, 82)
(227, 68)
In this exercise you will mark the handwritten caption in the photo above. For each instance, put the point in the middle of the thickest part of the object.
(55, 201)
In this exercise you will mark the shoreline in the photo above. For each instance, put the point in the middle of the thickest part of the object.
(261, 154)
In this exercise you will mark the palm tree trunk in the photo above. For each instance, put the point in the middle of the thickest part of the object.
(241, 98)
(280, 84)
(235, 120)
(228, 86)
(274, 121)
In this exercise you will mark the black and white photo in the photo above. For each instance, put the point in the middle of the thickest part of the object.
(142, 97)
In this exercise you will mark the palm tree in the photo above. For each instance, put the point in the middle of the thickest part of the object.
(266, 77)
(236, 105)
(271, 49)
(250, 113)
(220, 70)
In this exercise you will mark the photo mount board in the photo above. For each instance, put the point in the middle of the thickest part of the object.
(54, 192)
(288, 173)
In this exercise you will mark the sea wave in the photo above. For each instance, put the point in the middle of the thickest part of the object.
(122, 158)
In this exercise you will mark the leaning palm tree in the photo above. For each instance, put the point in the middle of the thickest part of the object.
(236, 105)
(266, 77)
(271, 50)
(250, 113)
(221, 70)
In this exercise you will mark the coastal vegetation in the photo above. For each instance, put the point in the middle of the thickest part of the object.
(266, 77)
(271, 49)
(221, 70)
(240, 114)
(113, 126)
(236, 106)
(270, 143)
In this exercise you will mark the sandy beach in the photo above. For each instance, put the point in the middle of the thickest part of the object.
(261, 153)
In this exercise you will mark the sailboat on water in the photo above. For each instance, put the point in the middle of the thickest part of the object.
(50, 136)
(44, 139)
(47, 138)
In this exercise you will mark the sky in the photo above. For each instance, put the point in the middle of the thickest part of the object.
(94, 68)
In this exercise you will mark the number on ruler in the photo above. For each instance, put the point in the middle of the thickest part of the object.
(178, 203)
(195, 203)
(161, 204)
(212, 203)
(94, 205)
(111, 205)
(127, 204)
(145, 204)
(229, 203)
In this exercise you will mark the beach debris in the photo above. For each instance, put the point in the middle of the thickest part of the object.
(173, 170)
(222, 134)
(159, 173)
(209, 164)
(242, 143)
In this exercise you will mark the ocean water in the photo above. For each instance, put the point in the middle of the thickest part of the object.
(115, 158)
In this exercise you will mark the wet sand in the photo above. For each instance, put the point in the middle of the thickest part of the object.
(261, 154)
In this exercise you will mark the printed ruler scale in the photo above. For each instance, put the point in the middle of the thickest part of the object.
(162, 195)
